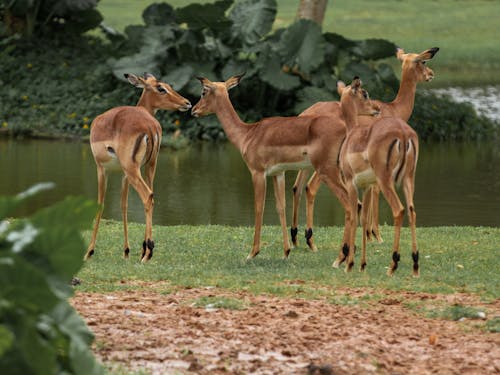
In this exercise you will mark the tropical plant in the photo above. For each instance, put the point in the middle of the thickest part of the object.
(28, 17)
(286, 69)
(40, 333)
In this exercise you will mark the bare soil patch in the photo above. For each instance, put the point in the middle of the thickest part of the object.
(168, 334)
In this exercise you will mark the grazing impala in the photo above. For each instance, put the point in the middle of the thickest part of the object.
(273, 145)
(126, 138)
(413, 71)
(385, 154)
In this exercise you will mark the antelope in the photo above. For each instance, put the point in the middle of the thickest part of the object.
(414, 70)
(385, 154)
(273, 145)
(127, 138)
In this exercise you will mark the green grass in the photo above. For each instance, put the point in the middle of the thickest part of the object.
(465, 30)
(453, 259)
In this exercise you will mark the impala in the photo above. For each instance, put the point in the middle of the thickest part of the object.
(414, 70)
(127, 138)
(385, 154)
(273, 145)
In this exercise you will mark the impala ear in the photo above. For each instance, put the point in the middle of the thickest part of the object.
(427, 54)
(206, 83)
(400, 53)
(355, 84)
(340, 87)
(233, 81)
(134, 80)
(147, 75)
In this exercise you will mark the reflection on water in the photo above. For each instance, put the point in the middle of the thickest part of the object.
(210, 184)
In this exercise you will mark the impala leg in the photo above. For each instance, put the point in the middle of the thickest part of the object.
(279, 193)
(101, 192)
(311, 191)
(374, 227)
(366, 213)
(259, 186)
(298, 187)
(351, 224)
(339, 190)
(150, 172)
(365, 221)
(146, 196)
(397, 208)
(408, 189)
(124, 207)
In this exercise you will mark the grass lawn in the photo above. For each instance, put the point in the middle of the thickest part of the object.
(453, 259)
(464, 30)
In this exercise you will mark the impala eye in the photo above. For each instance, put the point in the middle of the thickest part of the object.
(161, 89)
(365, 94)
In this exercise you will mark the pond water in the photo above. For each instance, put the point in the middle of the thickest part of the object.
(456, 184)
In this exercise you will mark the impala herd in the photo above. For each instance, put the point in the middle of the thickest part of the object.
(356, 145)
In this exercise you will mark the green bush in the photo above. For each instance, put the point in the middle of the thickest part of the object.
(57, 85)
(29, 17)
(440, 118)
(40, 333)
(51, 86)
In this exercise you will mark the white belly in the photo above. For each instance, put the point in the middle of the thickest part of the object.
(113, 164)
(365, 178)
(282, 167)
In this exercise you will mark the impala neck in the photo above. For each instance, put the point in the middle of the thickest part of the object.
(144, 101)
(234, 128)
(350, 115)
(405, 99)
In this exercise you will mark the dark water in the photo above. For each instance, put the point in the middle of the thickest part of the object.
(457, 184)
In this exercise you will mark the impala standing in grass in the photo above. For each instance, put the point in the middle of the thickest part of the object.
(382, 154)
(274, 145)
(127, 138)
(413, 70)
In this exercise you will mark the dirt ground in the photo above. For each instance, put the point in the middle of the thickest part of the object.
(168, 334)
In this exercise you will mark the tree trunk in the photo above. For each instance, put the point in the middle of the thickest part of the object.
(312, 10)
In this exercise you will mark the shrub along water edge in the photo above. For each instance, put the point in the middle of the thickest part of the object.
(54, 88)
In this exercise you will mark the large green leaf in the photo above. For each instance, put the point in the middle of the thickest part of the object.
(6, 339)
(55, 233)
(136, 64)
(201, 16)
(361, 70)
(72, 326)
(38, 256)
(309, 95)
(374, 49)
(252, 19)
(158, 14)
(302, 44)
(62, 7)
(179, 77)
(271, 72)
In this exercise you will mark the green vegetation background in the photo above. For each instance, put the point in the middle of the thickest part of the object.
(465, 30)
(56, 86)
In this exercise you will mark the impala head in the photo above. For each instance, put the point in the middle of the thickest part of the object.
(210, 91)
(355, 99)
(414, 63)
(158, 95)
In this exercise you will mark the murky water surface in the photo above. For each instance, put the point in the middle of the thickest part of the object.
(456, 184)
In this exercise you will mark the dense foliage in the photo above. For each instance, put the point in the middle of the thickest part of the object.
(40, 333)
(52, 87)
(48, 16)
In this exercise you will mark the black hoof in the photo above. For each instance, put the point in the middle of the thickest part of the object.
(293, 234)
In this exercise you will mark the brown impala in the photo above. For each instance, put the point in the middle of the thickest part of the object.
(382, 154)
(126, 138)
(413, 70)
(273, 145)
